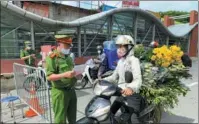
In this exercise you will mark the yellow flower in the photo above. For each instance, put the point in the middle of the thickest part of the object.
(159, 55)
(181, 53)
(165, 64)
(156, 50)
(165, 56)
(153, 57)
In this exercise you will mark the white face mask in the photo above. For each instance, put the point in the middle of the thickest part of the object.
(65, 51)
(98, 51)
(28, 48)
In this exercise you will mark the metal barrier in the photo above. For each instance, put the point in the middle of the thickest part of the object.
(32, 88)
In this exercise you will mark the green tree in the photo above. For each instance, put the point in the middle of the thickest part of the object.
(175, 13)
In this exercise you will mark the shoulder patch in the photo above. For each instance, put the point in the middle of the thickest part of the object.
(53, 55)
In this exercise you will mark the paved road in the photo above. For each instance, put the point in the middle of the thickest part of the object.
(187, 109)
(185, 112)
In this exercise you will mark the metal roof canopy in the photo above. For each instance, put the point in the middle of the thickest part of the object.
(182, 29)
(123, 15)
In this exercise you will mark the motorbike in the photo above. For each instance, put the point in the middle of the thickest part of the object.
(90, 74)
(98, 109)
(34, 78)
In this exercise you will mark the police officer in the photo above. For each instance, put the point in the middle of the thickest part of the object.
(27, 54)
(59, 69)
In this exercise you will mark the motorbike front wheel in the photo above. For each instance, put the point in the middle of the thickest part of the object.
(81, 83)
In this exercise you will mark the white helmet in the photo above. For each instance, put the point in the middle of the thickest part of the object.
(124, 40)
(99, 47)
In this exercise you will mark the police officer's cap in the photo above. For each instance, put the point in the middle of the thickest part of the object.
(64, 39)
(27, 42)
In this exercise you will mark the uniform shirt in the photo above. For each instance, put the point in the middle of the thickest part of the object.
(38, 56)
(72, 55)
(57, 65)
(31, 60)
(130, 63)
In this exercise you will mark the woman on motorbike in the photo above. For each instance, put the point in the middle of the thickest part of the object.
(127, 63)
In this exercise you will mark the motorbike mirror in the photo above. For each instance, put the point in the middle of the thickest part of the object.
(128, 77)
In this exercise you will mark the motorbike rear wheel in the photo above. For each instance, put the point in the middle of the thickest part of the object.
(81, 84)
(155, 115)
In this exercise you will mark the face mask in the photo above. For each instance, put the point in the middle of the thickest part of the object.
(65, 51)
(28, 47)
(121, 52)
(98, 51)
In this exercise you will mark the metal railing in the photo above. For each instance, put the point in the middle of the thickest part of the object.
(32, 88)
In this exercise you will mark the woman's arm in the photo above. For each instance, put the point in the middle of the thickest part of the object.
(114, 77)
(137, 77)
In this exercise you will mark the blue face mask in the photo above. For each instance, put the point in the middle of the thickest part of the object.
(65, 51)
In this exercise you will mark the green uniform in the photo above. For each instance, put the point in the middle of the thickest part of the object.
(38, 56)
(31, 60)
(63, 95)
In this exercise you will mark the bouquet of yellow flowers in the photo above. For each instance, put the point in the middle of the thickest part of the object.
(165, 56)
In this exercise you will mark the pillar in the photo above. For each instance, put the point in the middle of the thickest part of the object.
(193, 42)
(32, 35)
(79, 41)
(168, 21)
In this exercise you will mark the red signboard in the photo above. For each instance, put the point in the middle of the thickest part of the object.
(39, 9)
(130, 3)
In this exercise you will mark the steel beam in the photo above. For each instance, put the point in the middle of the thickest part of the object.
(32, 34)
(135, 27)
(146, 35)
(85, 42)
(153, 33)
(109, 28)
(45, 31)
(167, 41)
(160, 39)
(79, 40)
(94, 38)
(118, 25)
(13, 30)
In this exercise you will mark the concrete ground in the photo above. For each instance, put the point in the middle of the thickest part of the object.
(185, 112)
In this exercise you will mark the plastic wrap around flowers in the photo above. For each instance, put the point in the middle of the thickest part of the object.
(165, 56)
